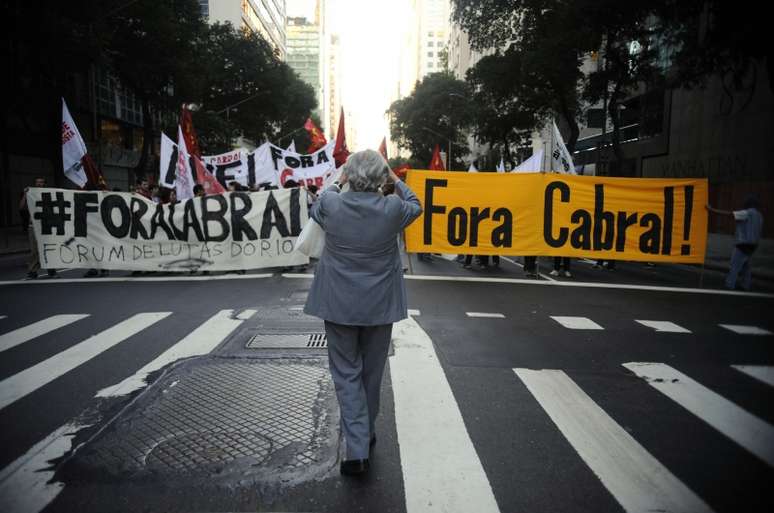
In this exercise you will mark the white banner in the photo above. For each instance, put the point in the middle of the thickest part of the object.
(123, 231)
(73, 149)
(532, 164)
(311, 169)
(267, 164)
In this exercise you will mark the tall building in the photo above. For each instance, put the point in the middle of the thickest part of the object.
(304, 55)
(264, 17)
(334, 85)
(434, 28)
(461, 56)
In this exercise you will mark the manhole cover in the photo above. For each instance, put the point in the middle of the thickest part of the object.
(236, 417)
(287, 341)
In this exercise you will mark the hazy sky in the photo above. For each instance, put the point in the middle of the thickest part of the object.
(370, 32)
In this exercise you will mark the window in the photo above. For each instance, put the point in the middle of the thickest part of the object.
(429, 54)
(430, 44)
(204, 5)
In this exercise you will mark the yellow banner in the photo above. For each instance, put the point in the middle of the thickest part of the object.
(646, 219)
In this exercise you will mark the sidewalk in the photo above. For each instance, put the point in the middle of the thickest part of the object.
(13, 240)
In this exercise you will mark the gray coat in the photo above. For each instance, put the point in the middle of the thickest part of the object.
(359, 278)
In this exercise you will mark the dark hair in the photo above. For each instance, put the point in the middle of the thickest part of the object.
(141, 179)
(313, 189)
(198, 188)
(289, 184)
(164, 194)
(751, 201)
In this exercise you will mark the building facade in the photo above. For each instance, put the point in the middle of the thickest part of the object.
(264, 17)
(434, 27)
(304, 55)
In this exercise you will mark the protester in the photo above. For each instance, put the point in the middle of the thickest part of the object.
(143, 189)
(154, 190)
(358, 290)
(606, 264)
(34, 264)
(749, 226)
(530, 266)
(561, 263)
(234, 186)
(198, 190)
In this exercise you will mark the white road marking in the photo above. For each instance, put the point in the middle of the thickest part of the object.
(632, 475)
(580, 284)
(24, 484)
(747, 430)
(485, 314)
(763, 373)
(664, 326)
(413, 311)
(139, 279)
(512, 262)
(577, 323)
(36, 329)
(2, 317)
(441, 469)
(743, 329)
(200, 341)
(27, 381)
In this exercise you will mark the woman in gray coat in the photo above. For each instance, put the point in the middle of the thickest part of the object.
(358, 290)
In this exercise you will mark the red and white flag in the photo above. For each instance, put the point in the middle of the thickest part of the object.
(203, 176)
(73, 149)
(184, 180)
(383, 148)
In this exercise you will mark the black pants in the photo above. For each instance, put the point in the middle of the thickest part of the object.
(562, 261)
(530, 264)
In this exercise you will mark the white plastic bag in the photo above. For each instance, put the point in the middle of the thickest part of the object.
(311, 240)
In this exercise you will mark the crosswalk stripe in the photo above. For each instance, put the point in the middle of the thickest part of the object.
(441, 469)
(763, 373)
(491, 315)
(577, 323)
(632, 475)
(200, 341)
(29, 380)
(747, 430)
(25, 484)
(743, 329)
(663, 326)
(36, 329)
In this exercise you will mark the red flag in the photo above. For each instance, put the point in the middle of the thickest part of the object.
(340, 152)
(383, 148)
(94, 179)
(189, 134)
(316, 135)
(204, 177)
(436, 163)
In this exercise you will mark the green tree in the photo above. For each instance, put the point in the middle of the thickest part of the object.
(247, 90)
(154, 47)
(436, 112)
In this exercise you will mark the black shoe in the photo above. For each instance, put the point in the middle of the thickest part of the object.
(32, 276)
(354, 467)
(91, 273)
(372, 442)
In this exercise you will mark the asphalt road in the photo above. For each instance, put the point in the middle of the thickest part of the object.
(502, 394)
